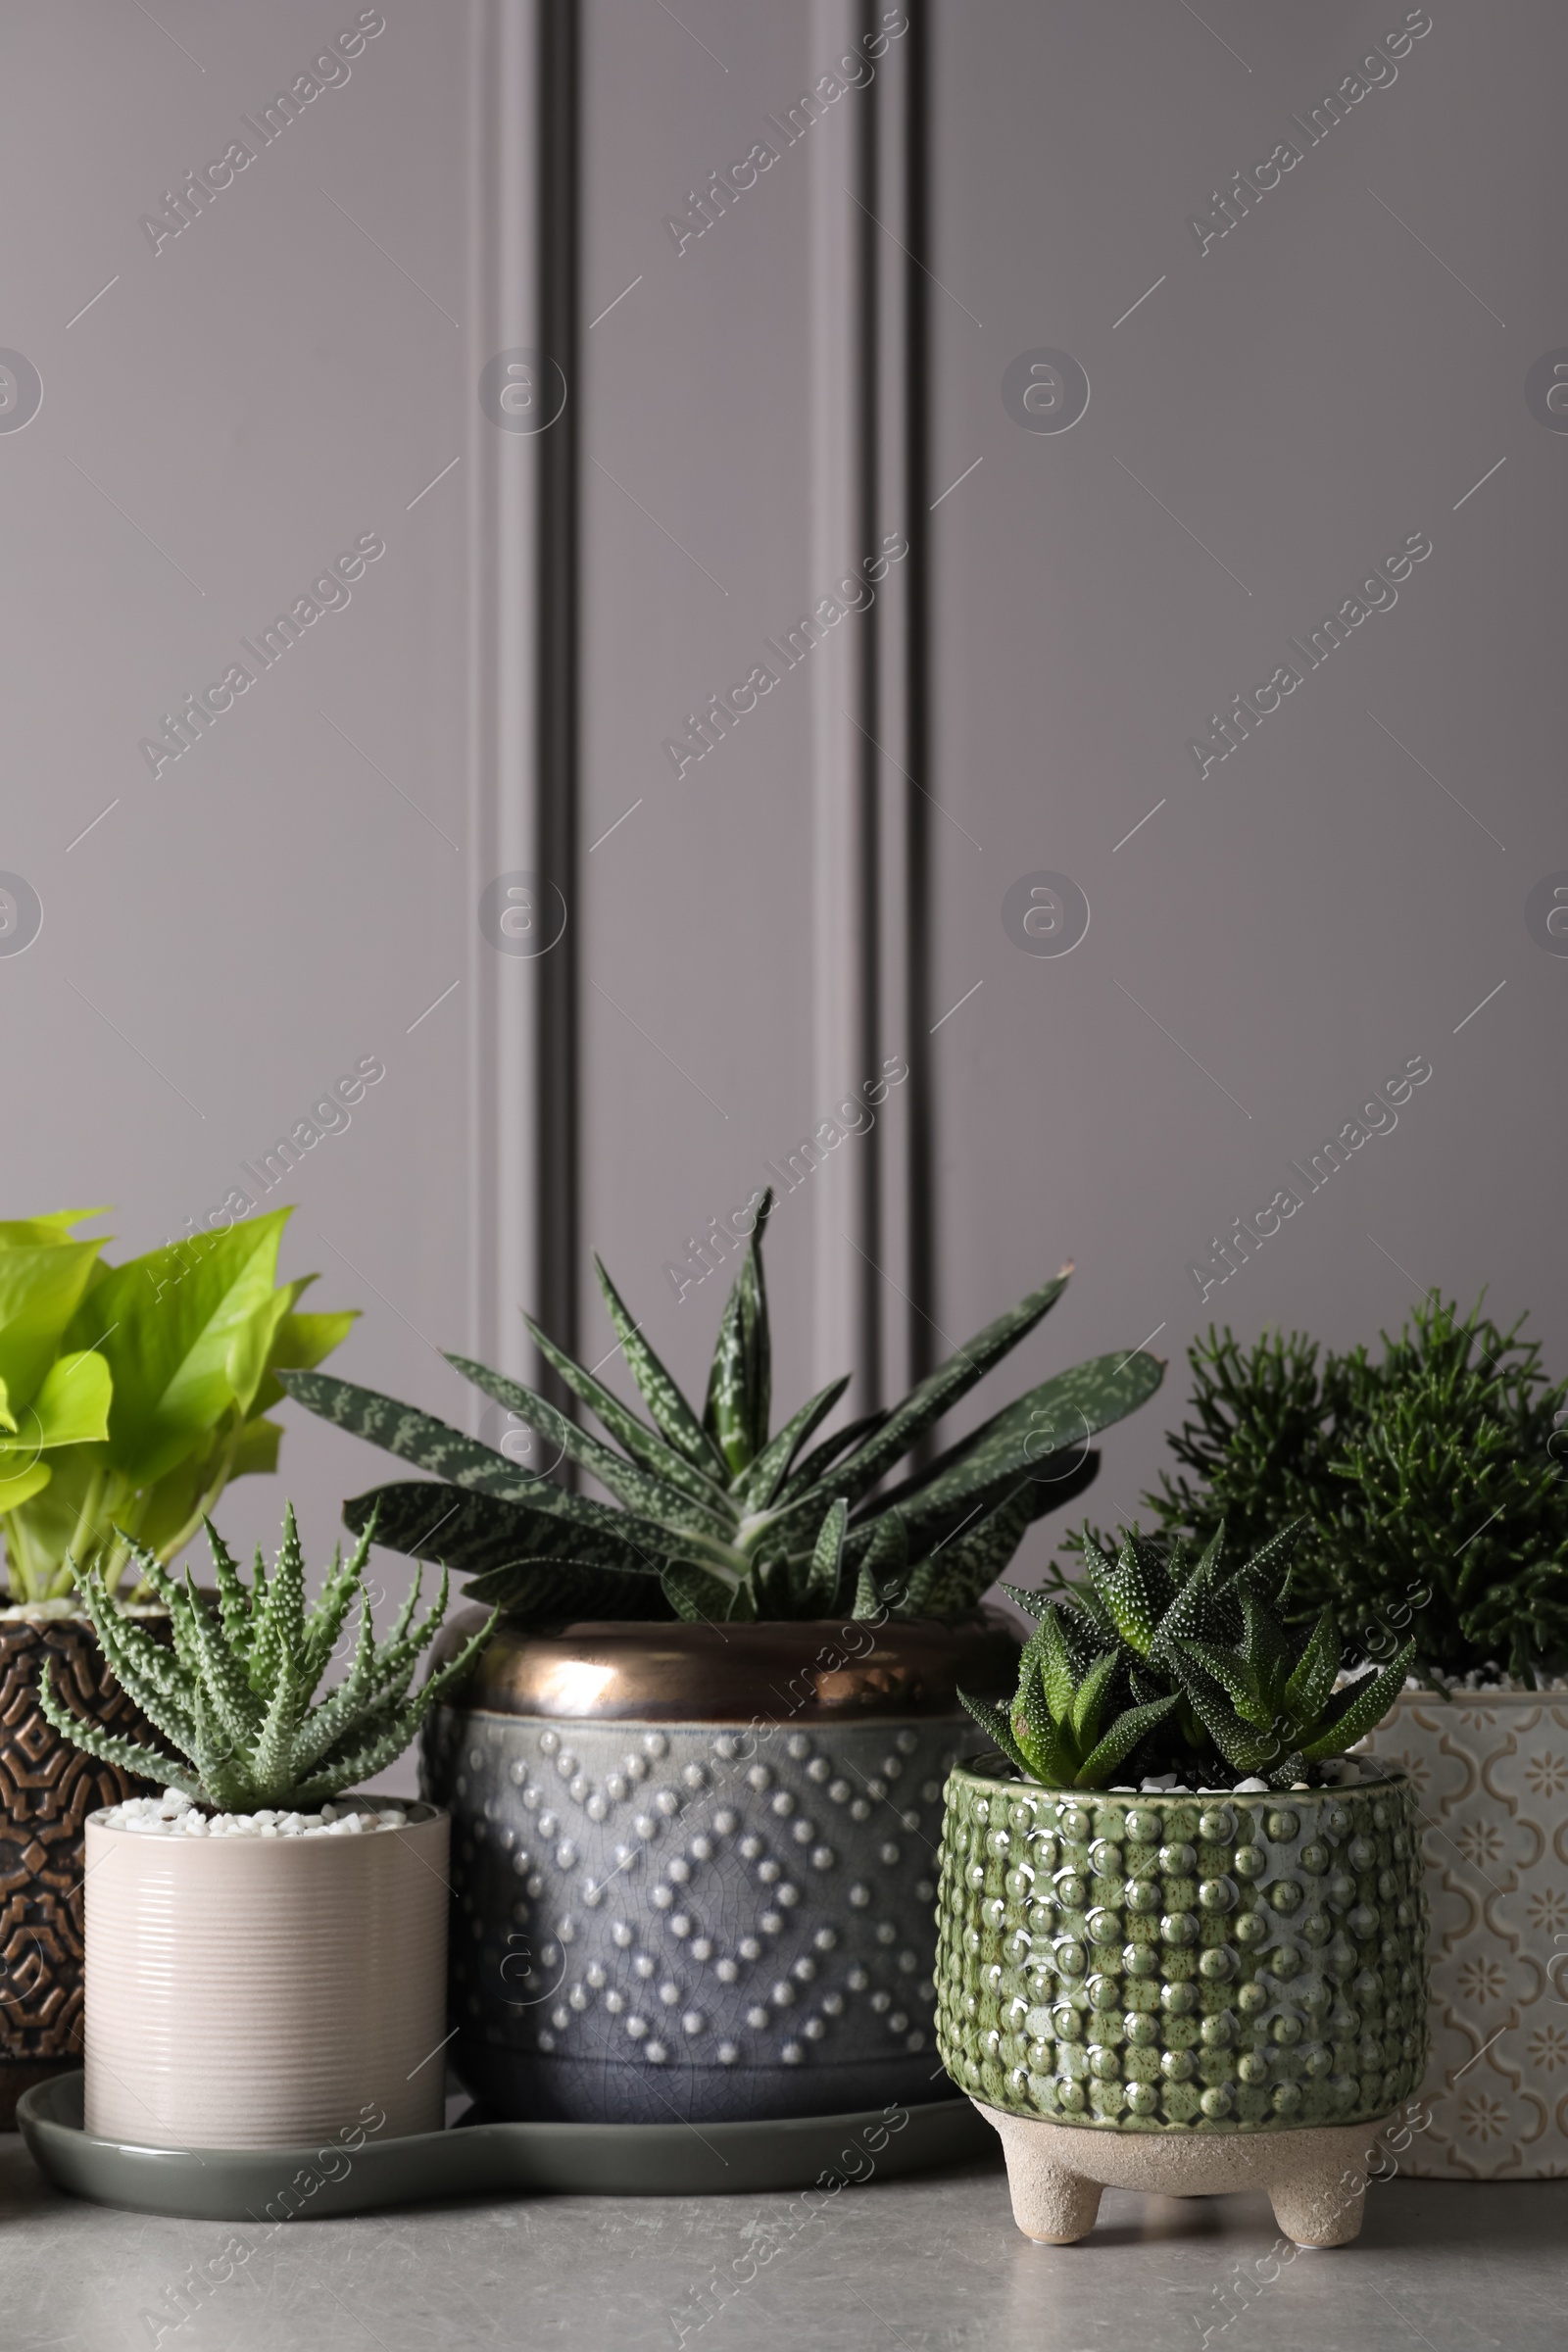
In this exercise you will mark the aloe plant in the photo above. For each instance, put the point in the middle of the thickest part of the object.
(720, 1517)
(1206, 1681)
(131, 1394)
(233, 1697)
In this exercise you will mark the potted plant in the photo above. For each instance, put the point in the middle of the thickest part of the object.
(129, 1396)
(695, 1779)
(263, 1956)
(1433, 1476)
(1182, 1942)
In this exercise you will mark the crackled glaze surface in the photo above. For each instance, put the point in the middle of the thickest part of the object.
(1489, 1778)
(1179, 1964)
(718, 1923)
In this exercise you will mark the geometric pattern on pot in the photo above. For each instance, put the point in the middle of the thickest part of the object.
(1172, 1964)
(718, 1923)
(48, 1789)
(1490, 1777)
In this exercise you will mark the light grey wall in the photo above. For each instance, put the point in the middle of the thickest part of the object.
(290, 896)
(1277, 415)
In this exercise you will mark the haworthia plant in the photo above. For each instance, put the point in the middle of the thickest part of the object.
(1194, 1666)
(721, 1517)
(233, 1697)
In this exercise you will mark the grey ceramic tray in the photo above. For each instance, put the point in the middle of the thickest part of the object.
(621, 2160)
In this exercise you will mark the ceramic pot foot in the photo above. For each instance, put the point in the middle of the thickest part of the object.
(1052, 2203)
(1319, 2205)
(1315, 2179)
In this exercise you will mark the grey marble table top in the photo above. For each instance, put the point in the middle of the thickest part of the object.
(931, 2265)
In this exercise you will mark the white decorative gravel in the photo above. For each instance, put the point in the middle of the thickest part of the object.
(1491, 1678)
(173, 1815)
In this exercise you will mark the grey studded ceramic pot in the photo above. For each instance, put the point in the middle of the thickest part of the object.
(694, 1867)
(1139, 1990)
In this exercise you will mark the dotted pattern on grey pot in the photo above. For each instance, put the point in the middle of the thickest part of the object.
(1169, 1964)
(722, 1921)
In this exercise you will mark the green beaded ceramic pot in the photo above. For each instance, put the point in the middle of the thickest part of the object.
(1160, 1973)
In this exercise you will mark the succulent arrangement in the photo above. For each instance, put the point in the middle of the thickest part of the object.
(233, 1697)
(1199, 1679)
(1432, 1480)
(720, 1517)
(131, 1394)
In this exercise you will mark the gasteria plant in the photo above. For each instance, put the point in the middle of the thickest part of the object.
(130, 1395)
(1433, 1481)
(234, 1699)
(1208, 1683)
(721, 1519)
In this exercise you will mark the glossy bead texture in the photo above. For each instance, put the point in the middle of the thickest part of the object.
(1258, 1965)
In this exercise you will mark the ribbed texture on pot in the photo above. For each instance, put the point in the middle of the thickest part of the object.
(261, 1993)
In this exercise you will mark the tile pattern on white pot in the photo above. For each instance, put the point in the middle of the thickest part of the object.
(1490, 1772)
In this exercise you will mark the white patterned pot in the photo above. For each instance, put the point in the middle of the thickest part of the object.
(1490, 1773)
(254, 1993)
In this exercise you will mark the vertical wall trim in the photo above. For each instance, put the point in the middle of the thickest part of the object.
(503, 495)
(919, 935)
(870, 1278)
(556, 621)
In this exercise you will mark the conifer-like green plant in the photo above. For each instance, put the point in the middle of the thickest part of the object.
(1432, 1479)
(1199, 1675)
(721, 1516)
(233, 1697)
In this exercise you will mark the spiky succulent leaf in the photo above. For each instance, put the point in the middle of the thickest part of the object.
(1060, 1673)
(1356, 1710)
(1034, 1725)
(813, 1466)
(1088, 1699)
(1313, 1676)
(126, 1755)
(1264, 1644)
(695, 1594)
(655, 1497)
(233, 1599)
(966, 1564)
(1130, 1727)
(644, 1444)
(739, 1404)
(721, 1498)
(869, 1599)
(1244, 1748)
(660, 1391)
(941, 1389)
(821, 1580)
(1134, 1595)
(765, 1477)
(239, 1712)
(995, 1724)
(473, 1534)
(1236, 1679)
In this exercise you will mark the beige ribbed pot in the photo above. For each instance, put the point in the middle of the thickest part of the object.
(250, 1992)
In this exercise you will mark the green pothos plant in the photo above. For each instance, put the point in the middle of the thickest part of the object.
(720, 1515)
(132, 1395)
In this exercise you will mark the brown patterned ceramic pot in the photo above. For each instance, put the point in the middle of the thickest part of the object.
(48, 1789)
(1488, 1771)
